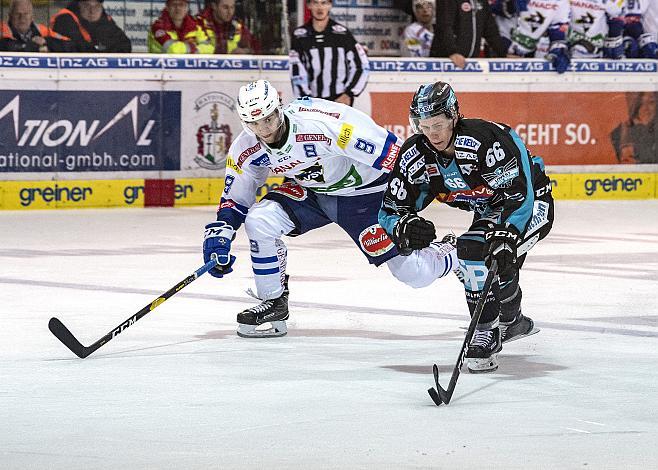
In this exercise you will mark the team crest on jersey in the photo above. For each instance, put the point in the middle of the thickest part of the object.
(213, 138)
(502, 177)
(375, 241)
(292, 190)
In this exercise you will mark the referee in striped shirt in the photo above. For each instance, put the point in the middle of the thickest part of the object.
(325, 59)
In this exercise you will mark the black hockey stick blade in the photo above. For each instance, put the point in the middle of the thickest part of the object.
(63, 334)
(446, 395)
(437, 394)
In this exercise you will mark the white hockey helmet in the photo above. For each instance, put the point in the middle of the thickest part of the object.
(257, 100)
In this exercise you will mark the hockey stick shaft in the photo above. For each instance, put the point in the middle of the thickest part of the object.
(66, 337)
(441, 395)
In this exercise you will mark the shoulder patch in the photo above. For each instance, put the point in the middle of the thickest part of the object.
(339, 28)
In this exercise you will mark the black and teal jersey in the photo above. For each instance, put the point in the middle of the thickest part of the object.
(490, 171)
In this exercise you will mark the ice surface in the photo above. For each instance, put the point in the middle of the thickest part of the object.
(347, 387)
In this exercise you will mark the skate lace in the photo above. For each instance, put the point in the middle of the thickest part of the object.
(482, 338)
(264, 306)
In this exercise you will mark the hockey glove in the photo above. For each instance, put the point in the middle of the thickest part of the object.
(502, 247)
(217, 242)
(648, 46)
(413, 233)
(631, 49)
(613, 48)
(559, 56)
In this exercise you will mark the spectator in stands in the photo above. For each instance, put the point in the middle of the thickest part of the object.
(636, 140)
(460, 27)
(22, 34)
(178, 32)
(417, 37)
(325, 59)
(231, 34)
(90, 28)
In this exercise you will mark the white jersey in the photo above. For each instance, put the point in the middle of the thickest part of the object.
(550, 17)
(331, 148)
(416, 41)
(650, 17)
(589, 23)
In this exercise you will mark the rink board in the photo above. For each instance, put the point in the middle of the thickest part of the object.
(20, 195)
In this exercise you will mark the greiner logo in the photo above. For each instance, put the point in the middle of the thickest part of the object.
(37, 132)
(612, 184)
(56, 194)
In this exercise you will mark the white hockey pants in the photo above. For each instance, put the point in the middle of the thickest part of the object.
(266, 222)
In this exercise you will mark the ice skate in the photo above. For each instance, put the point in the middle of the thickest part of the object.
(272, 311)
(483, 351)
(518, 328)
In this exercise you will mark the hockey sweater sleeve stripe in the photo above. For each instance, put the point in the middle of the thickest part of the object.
(391, 140)
(231, 212)
(520, 217)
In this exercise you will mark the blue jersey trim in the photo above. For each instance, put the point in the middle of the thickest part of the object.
(234, 216)
(390, 141)
(521, 216)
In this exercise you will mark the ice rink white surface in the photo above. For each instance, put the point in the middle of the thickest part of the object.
(347, 387)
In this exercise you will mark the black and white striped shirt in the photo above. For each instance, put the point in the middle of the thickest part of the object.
(327, 64)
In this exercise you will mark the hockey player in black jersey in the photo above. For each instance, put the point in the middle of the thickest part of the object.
(478, 166)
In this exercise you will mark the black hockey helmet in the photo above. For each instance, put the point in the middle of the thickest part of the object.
(432, 100)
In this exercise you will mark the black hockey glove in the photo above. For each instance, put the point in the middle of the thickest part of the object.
(502, 243)
(412, 233)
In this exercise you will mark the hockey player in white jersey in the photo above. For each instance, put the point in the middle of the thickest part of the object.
(639, 42)
(542, 17)
(335, 160)
(596, 29)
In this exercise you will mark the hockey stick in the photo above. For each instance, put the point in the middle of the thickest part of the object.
(440, 395)
(66, 337)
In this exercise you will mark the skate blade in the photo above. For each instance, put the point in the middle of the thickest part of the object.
(481, 366)
(534, 331)
(277, 328)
